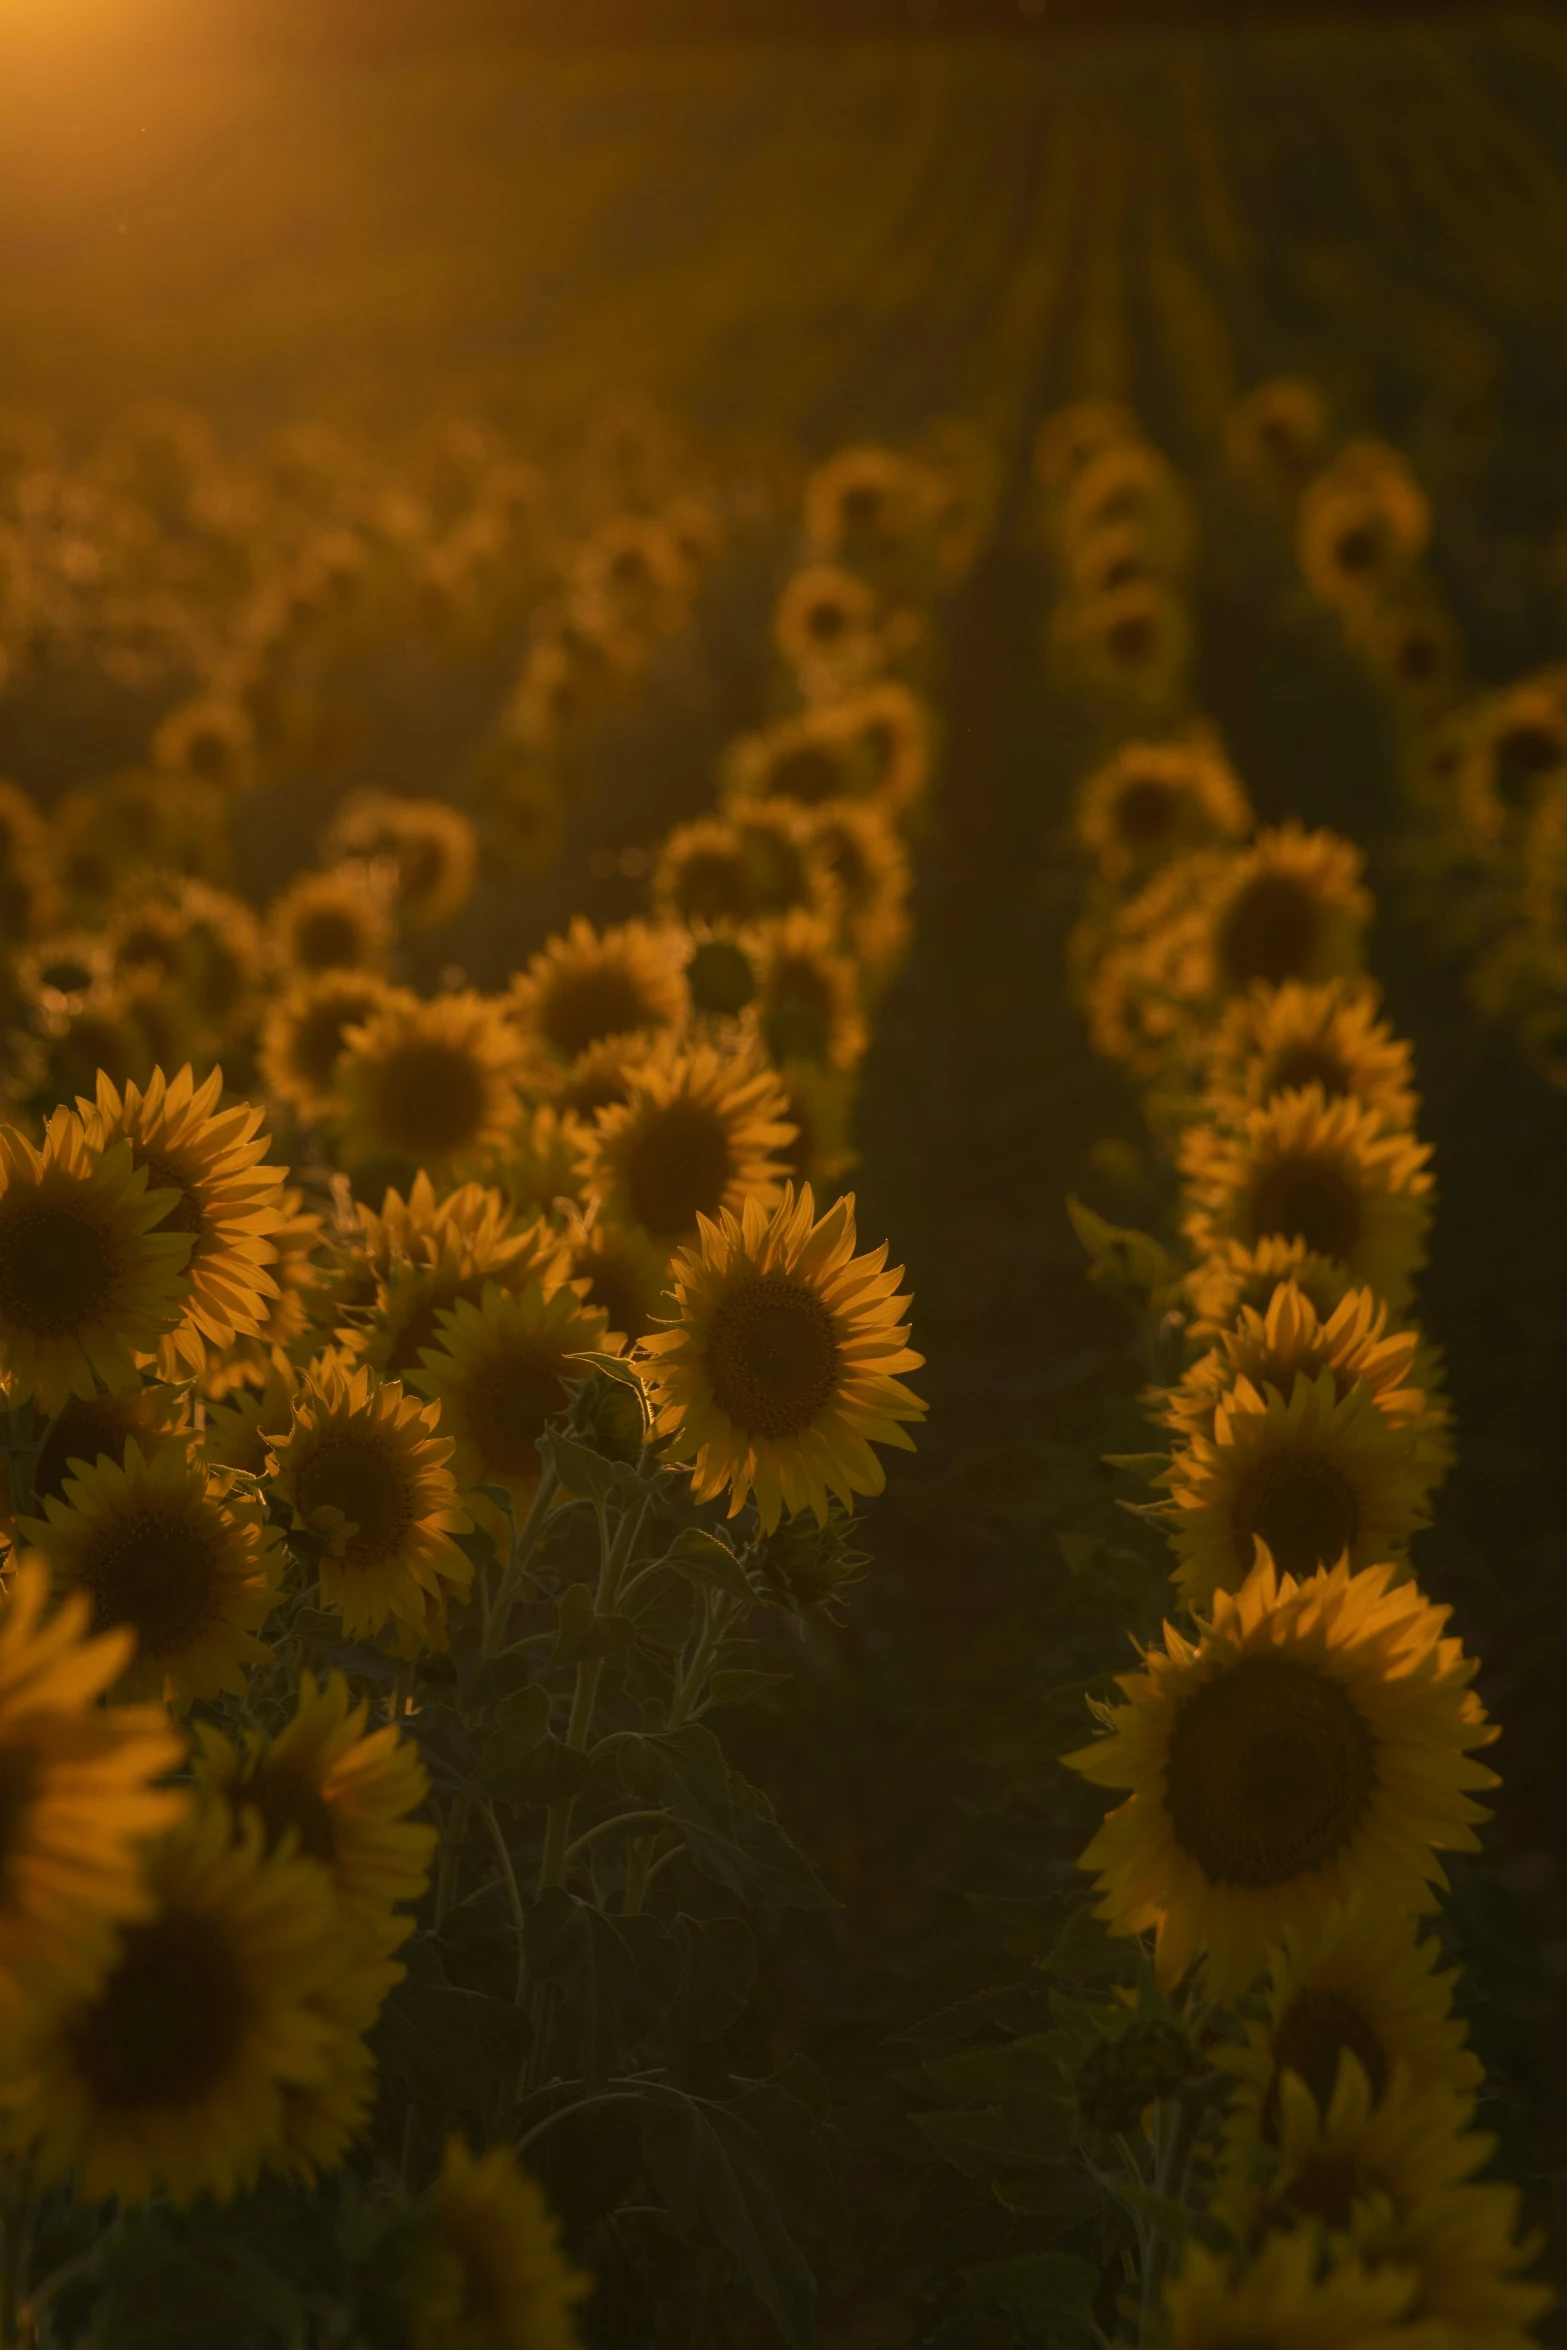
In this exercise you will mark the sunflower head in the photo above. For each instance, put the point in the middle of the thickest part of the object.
(808, 997)
(341, 920)
(806, 760)
(431, 845)
(826, 626)
(1132, 643)
(1276, 434)
(1412, 645)
(870, 868)
(501, 1371)
(1155, 800)
(1069, 440)
(489, 2272)
(618, 1272)
(211, 737)
(589, 986)
(1275, 1040)
(1132, 490)
(1363, 524)
(699, 1131)
(429, 1085)
(756, 862)
(1285, 2299)
(893, 734)
(306, 1033)
(720, 970)
(1239, 1278)
(93, 1425)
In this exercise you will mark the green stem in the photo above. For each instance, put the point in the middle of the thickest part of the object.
(619, 1819)
(451, 1859)
(523, 1547)
(584, 1697)
(639, 1864)
(721, 1613)
(519, 1916)
(604, 2097)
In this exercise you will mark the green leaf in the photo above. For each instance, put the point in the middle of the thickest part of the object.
(1056, 2198)
(719, 1962)
(660, 1607)
(737, 1685)
(1084, 1952)
(1008, 2070)
(978, 2141)
(551, 1773)
(579, 1470)
(454, 2049)
(712, 2171)
(581, 1632)
(614, 1978)
(613, 1367)
(1118, 1257)
(702, 1558)
(1044, 2288)
(522, 1722)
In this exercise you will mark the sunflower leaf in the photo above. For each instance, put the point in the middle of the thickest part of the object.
(702, 1558)
(1050, 2288)
(579, 1470)
(713, 2172)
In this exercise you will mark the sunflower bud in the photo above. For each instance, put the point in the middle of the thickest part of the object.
(803, 1564)
(1122, 2078)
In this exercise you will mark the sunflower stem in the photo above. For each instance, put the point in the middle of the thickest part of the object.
(523, 1546)
(619, 1819)
(721, 1613)
(451, 1858)
(614, 1559)
(519, 1916)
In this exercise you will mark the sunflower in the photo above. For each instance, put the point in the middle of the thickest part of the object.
(156, 1547)
(500, 1371)
(1274, 1040)
(1240, 1276)
(431, 844)
(720, 971)
(865, 506)
(1326, 1173)
(808, 995)
(429, 1085)
(29, 899)
(1513, 750)
(211, 737)
(539, 1167)
(589, 986)
(1131, 487)
(780, 1369)
(595, 1080)
(1363, 1980)
(821, 1104)
(240, 1431)
(807, 759)
(1154, 800)
(827, 626)
(1363, 524)
(340, 1791)
(1071, 438)
(700, 1131)
(1413, 647)
(93, 1425)
(1272, 1345)
(758, 860)
(1133, 642)
(454, 1266)
(78, 1799)
(363, 1467)
(617, 1271)
(1284, 2300)
(306, 1031)
(89, 1281)
(871, 868)
(170, 2073)
(1291, 906)
(634, 563)
(341, 920)
(299, 1311)
(1314, 1476)
(1312, 1745)
(134, 824)
(1277, 432)
(104, 1031)
(893, 732)
(518, 795)
(490, 2274)
(203, 945)
(229, 1204)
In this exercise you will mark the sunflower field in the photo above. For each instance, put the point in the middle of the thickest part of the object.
(783, 1097)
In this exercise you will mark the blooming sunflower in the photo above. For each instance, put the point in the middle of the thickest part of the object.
(154, 1414)
(500, 1371)
(340, 1790)
(864, 505)
(363, 1465)
(699, 1132)
(1276, 433)
(306, 1031)
(1326, 1173)
(90, 1282)
(758, 860)
(821, 1105)
(155, 1547)
(1071, 438)
(720, 971)
(227, 1202)
(1513, 749)
(1133, 642)
(1274, 1040)
(1313, 1476)
(452, 1266)
(1413, 647)
(1363, 524)
(429, 1085)
(1313, 1744)
(1153, 800)
(78, 1799)
(1291, 906)
(431, 844)
(634, 562)
(893, 731)
(827, 624)
(871, 868)
(1363, 1980)
(170, 2073)
(491, 2274)
(341, 920)
(539, 1167)
(779, 1371)
(211, 737)
(807, 759)
(1239, 1277)
(1283, 2299)
(589, 986)
(1272, 1345)
(808, 995)
(1132, 487)
(618, 1271)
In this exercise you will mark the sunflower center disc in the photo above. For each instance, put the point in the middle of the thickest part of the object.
(431, 1099)
(328, 940)
(1131, 639)
(507, 1401)
(1270, 931)
(808, 773)
(1304, 1509)
(158, 1576)
(56, 1269)
(352, 1474)
(1271, 1768)
(772, 1356)
(774, 872)
(587, 1005)
(1313, 2033)
(680, 1167)
(1145, 809)
(316, 1042)
(711, 882)
(720, 976)
(1309, 1197)
(288, 1797)
(168, 2022)
(1308, 1064)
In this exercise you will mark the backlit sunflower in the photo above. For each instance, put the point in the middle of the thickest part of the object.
(363, 1466)
(431, 844)
(1132, 642)
(453, 1266)
(241, 1431)
(170, 2074)
(1325, 1173)
(228, 1203)
(1291, 906)
(212, 737)
(1273, 1345)
(429, 1085)
(700, 1131)
(871, 868)
(156, 1547)
(1071, 438)
(77, 1800)
(90, 1282)
(865, 506)
(893, 731)
(1129, 486)
(303, 1304)
(341, 920)
(1241, 1275)
(808, 995)
(808, 759)
(338, 1789)
(1277, 432)
(490, 2273)
(591, 985)
(540, 1165)
(306, 1032)
(1413, 647)
(1283, 2299)
(1274, 1040)
(821, 1105)
(500, 1371)
(780, 1370)
(1513, 750)
(1154, 800)
(86, 1426)
(1362, 525)
(720, 971)
(827, 626)
(1314, 1475)
(1363, 1980)
(1313, 1744)
(758, 860)
(634, 563)
(619, 1272)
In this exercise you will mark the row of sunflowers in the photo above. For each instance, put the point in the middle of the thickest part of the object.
(1254, 2050)
(390, 1528)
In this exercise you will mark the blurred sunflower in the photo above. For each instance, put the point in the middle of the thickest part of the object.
(1071, 438)
(1326, 1173)
(1362, 525)
(306, 1031)
(241, 1430)
(893, 733)
(700, 1131)
(757, 861)
(210, 737)
(169, 2075)
(157, 1548)
(1291, 906)
(1313, 1744)
(779, 1371)
(89, 1426)
(618, 1272)
(1311, 1474)
(429, 1085)
(519, 804)
(827, 626)
(720, 971)
(454, 1264)
(1277, 432)
(871, 869)
(1129, 487)
(1413, 646)
(820, 1107)
(865, 506)
(634, 563)
(807, 759)
(1284, 2299)
(226, 1201)
(808, 995)
(29, 900)
(80, 1799)
(490, 2273)
(1154, 800)
(200, 945)
(1240, 1277)
(89, 1281)
(588, 986)
(102, 1031)
(1134, 642)
(364, 1468)
(540, 1165)
(1288, 1338)
(431, 843)
(500, 1371)
(1274, 1040)
(1513, 749)
(144, 822)
(340, 920)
